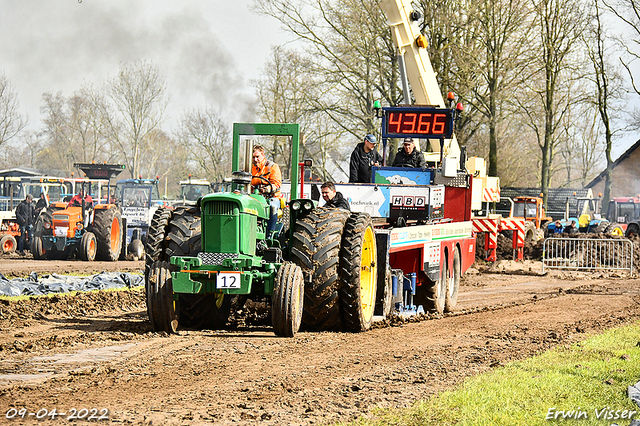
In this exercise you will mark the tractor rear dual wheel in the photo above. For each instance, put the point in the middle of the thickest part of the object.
(8, 244)
(453, 283)
(287, 300)
(632, 229)
(315, 248)
(358, 273)
(614, 229)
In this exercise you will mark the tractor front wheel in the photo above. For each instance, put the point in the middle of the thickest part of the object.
(37, 249)
(160, 304)
(88, 247)
(8, 244)
(287, 300)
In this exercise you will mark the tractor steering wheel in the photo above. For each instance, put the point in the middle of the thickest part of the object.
(264, 179)
(405, 165)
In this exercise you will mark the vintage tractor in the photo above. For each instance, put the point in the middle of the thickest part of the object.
(200, 257)
(88, 230)
(586, 219)
(532, 211)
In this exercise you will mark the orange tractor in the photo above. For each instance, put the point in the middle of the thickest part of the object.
(80, 227)
(532, 211)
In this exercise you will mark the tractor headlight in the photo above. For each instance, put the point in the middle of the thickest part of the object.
(47, 225)
(296, 205)
(79, 226)
(308, 205)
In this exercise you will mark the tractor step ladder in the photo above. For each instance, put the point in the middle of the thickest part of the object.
(588, 254)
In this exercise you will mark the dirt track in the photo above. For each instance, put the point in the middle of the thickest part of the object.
(97, 351)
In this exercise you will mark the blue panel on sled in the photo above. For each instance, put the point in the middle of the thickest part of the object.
(402, 175)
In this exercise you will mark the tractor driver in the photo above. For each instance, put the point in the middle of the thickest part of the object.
(88, 204)
(267, 179)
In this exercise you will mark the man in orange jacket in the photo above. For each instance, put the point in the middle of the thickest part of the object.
(267, 178)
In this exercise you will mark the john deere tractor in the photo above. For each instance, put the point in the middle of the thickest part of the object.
(200, 257)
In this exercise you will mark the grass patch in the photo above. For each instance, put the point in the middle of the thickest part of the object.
(578, 381)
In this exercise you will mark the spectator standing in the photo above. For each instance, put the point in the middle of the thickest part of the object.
(25, 218)
(363, 157)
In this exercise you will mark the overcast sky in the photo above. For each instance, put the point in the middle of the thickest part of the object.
(206, 50)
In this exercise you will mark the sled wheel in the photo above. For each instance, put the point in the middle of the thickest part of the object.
(453, 283)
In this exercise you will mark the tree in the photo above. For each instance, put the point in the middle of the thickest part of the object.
(351, 57)
(205, 138)
(136, 104)
(607, 91)
(11, 121)
(560, 24)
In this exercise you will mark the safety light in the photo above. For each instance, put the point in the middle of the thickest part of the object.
(421, 41)
(459, 107)
(79, 226)
(308, 205)
(451, 96)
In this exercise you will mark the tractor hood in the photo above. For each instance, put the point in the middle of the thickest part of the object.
(230, 222)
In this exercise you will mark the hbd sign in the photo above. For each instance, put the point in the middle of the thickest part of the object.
(411, 202)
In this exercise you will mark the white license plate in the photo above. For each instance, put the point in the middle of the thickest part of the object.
(60, 232)
(228, 280)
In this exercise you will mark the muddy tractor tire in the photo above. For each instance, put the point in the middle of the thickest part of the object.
(358, 273)
(156, 244)
(8, 244)
(88, 247)
(530, 232)
(453, 283)
(160, 304)
(632, 229)
(287, 300)
(37, 250)
(107, 227)
(615, 230)
(315, 248)
(211, 311)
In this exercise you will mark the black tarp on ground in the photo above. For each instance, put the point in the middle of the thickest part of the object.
(34, 285)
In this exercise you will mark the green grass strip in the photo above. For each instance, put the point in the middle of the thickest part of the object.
(585, 384)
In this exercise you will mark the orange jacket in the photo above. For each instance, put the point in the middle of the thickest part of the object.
(270, 171)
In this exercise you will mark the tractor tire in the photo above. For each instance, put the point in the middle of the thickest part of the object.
(160, 304)
(316, 246)
(384, 298)
(37, 249)
(529, 232)
(156, 243)
(453, 283)
(88, 247)
(601, 227)
(614, 229)
(632, 229)
(358, 273)
(287, 300)
(8, 244)
(107, 227)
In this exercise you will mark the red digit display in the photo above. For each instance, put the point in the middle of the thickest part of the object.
(429, 123)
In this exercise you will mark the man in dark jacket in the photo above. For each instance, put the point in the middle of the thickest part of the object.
(25, 217)
(363, 157)
(332, 198)
(409, 155)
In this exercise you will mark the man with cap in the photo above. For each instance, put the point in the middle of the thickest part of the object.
(25, 218)
(409, 155)
(363, 157)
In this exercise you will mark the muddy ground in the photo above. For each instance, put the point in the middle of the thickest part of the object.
(97, 351)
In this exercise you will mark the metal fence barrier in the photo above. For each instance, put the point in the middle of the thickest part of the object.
(582, 253)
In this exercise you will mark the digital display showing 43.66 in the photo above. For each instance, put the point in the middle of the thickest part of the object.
(417, 122)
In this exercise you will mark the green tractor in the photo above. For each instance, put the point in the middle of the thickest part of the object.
(318, 269)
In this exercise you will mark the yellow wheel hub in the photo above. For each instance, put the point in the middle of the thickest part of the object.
(368, 274)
